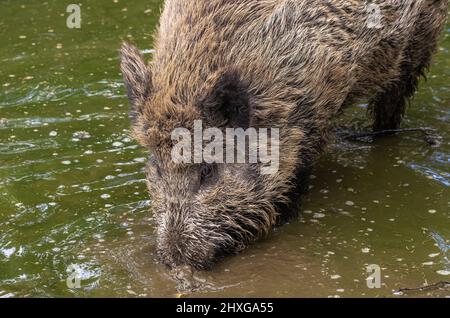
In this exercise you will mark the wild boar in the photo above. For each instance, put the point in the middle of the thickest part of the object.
(293, 65)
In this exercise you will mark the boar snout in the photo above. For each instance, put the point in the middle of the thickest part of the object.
(187, 245)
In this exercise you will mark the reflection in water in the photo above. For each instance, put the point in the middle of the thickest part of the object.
(442, 177)
(444, 247)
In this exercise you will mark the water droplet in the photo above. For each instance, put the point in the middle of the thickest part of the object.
(334, 277)
(81, 135)
(444, 272)
(86, 188)
(140, 160)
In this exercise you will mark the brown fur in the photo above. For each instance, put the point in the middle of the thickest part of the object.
(288, 64)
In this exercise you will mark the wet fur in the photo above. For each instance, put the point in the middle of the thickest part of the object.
(288, 64)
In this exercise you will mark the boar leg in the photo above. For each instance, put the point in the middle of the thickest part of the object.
(389, 106)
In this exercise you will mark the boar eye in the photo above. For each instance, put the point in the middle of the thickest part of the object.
(206, 172)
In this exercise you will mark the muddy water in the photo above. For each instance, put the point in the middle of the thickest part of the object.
(72, 188)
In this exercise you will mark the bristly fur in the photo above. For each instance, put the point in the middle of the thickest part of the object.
(287, 64)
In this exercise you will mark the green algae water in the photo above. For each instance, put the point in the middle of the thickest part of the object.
(75, 219)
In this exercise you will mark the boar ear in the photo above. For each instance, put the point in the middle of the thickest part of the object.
(137, 78)
(226, 100)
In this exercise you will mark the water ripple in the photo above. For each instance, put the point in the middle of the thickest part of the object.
(43, 92)
(442, 177)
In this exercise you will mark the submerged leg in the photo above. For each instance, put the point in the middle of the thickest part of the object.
(389, 106)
